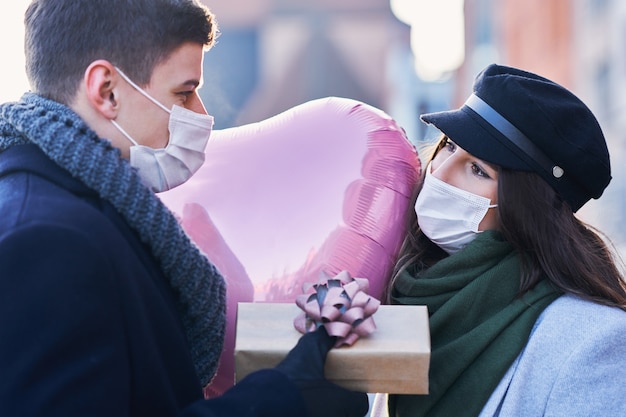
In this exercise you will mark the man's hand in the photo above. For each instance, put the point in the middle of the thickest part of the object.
(304, 365)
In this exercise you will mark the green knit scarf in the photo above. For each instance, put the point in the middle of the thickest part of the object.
(478, 325)
(70, 143)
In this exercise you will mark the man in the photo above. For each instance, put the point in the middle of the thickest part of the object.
(106, 307)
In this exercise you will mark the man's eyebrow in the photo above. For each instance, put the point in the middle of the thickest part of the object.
(192, 83)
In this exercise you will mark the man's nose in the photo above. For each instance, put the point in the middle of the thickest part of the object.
(196, 104)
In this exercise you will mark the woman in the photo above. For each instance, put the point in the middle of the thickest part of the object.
(527, 306)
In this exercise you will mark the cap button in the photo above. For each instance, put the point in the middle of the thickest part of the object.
(557, 171)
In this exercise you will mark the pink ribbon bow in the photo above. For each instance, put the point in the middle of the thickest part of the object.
(341, 305)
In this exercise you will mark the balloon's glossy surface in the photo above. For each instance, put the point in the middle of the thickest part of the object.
(322, 187)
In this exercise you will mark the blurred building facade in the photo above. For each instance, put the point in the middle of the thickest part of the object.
(274, 54)
(599, 76)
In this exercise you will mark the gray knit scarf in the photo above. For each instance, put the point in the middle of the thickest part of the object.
(69, 142)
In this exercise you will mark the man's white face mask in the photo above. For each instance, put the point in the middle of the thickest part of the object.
(447, 215)
(165, 168)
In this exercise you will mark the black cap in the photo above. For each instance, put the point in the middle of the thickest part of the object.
(519, 120)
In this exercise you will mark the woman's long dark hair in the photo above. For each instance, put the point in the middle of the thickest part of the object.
(573, 255)
(551, 240)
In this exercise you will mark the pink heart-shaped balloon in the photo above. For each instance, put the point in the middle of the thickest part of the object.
(320, 188)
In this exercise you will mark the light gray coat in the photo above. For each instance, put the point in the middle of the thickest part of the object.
(573, 366)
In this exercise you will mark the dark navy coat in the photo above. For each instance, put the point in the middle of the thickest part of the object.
(88, 324)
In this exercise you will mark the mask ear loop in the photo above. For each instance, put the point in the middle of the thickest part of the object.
(141, 90)
(123, 132)
(430, 164)
(146, 95)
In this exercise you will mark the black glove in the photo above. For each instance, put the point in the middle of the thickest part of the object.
(304, 365)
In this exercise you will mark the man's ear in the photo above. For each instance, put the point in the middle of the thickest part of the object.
(101, 87)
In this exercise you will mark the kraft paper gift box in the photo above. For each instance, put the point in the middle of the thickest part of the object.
(393, 359)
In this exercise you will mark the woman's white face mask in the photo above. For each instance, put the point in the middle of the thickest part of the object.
(165, 168)
(447, 215)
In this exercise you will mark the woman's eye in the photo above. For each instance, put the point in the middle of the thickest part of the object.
(450, 146)
(477, 170)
